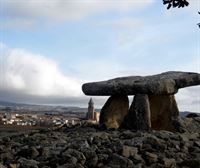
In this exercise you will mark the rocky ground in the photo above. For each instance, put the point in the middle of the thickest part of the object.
(88, 146)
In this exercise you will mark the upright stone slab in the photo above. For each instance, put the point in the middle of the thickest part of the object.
(139, 114)
(142, 109)
(113, 112)
(163, 111)
(130, 120)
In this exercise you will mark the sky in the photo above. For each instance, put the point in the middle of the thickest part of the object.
(49, 48)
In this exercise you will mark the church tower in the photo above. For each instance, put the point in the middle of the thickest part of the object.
(90, 113)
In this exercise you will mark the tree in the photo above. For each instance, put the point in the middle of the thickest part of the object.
(175, 3)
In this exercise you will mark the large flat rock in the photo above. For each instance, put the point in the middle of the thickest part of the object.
(164, 83)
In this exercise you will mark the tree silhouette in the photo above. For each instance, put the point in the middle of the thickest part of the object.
(175, 3)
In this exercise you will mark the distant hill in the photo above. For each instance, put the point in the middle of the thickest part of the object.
(43, 108)
(7, 104)
(59, 108)
(185, 113)
(35, 107)
(12, 104)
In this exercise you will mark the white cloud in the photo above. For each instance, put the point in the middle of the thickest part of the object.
(18, 23)
(127, 23)
(36, 75)
(188, 99)
(66, 9)
(194, 4)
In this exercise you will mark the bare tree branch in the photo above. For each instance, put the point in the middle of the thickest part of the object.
(175, 3)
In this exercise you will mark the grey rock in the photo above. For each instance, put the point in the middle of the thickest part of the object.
(79, 144)
(70, 165)
(103, 158)
(150, 157)
(128, 134)
(188, 125)
(91, 158)
(169, 162)
(164, 83)
(6, 157)
(113, 112)
(137, 159)
(155, 143)
(192, 115)
(139, 114)
(119, 161)
(2, 166)
(128, 151)
(75, 153)
(25, 163)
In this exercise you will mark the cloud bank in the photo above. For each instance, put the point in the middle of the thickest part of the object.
(34, 75)
(29, 13)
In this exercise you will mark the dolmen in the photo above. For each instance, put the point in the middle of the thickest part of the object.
(154, 105)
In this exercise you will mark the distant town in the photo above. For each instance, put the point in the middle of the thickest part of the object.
(37, 116)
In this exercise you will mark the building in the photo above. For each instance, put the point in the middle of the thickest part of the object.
(90, 113)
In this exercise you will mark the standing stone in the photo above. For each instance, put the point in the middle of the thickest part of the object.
(130, 120)
(142, 110)
(163, 111)
(113, 112)
(139, 114)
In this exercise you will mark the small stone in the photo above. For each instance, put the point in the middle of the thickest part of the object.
(137, 159)
(2, 166)
(6, 157)
(169, 162)
(128, 151)
(151, 157)
(91, 158)
(13, 165)
(103, 157)
(127, 134)
(25, 163)
(117, 160)
(75, 153)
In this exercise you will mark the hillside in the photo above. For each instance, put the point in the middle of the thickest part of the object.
(87, 146)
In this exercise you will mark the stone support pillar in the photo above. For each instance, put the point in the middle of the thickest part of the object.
(163, 111)
(139, 116)
(113, 112)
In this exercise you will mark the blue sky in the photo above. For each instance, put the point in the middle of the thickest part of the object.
(49, 48)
